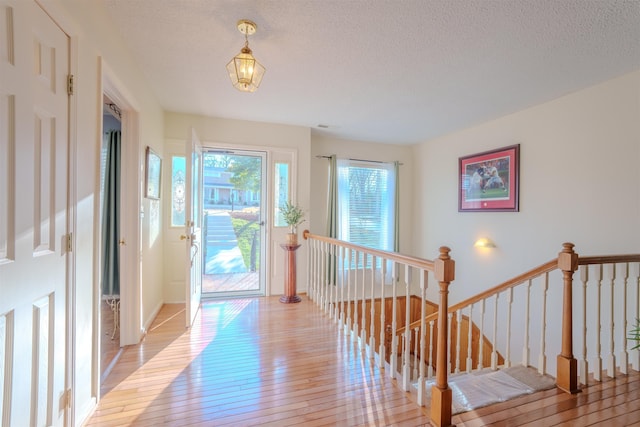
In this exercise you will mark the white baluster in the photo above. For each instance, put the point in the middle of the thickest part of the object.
(611, 359)
(336, 284)
(526, 351)
(399, 375)
(583, 368)
(470, 340)
(635, 355)
(481, 343)
(327, 280)
(372, 305)
(406, 366)
(507, 357)
(310, 256)
(597, 373)
(430, 370)
(356, 325)
(326, 290)
(316, 279)
(449, 340)
(317, 272)
(624, 355)
(416, 342)
(393, 359)
(323, 286)
(424, 278)
(340, 273)
(542, 357)
(349, 271)
(310, 269)
(363, 306)
(383, 308)
(458, 337)
(494, 344)
(331, 282)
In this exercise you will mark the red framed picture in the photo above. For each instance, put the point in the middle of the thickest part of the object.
(489, 181)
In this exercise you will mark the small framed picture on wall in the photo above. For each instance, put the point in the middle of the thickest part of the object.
(489, 181)
(153, 172)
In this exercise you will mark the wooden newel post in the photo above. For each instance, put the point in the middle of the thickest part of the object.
(567, 365)
(441, 398)
(290, 274)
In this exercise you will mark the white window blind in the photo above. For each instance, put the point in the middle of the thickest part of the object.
(366, 197)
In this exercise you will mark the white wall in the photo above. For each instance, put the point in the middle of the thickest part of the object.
(93, 39)
(243, 134)
(326, 146)
(579, 183)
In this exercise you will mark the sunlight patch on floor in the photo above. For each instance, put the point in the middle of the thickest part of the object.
(218, 316)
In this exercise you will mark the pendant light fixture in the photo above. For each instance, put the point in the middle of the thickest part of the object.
(244, 70)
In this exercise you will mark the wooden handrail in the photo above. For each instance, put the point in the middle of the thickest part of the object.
(544, 268)
(412, 261)
(608, 259)
(443, 269)
(541, 269)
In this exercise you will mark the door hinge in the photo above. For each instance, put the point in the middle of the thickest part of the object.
(70, 85)
(70, 242)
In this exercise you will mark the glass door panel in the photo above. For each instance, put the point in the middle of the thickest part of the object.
(233, 230)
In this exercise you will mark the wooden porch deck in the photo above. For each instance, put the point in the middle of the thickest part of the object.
(230, 282)
(259, 362)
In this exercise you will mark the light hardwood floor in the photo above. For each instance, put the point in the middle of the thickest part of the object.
(259, 362)
(110, 339)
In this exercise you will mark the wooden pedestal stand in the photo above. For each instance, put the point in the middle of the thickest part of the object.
(290, 274)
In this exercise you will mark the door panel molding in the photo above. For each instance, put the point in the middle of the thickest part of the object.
(34, 218)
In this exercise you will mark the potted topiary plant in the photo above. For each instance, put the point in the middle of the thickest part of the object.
(293, 216)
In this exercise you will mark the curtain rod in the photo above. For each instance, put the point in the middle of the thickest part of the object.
(358, 160)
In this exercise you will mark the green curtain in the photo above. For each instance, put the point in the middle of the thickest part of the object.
(111, 217)
(332, 213)
(332, 200)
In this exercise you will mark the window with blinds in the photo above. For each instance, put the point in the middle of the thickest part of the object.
(366, 197)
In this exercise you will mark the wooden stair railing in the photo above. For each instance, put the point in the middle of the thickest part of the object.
(569, 371)
(477, 341)
(345, 280)
(353, 284)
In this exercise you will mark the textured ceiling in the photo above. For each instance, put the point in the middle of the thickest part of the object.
(399, 72)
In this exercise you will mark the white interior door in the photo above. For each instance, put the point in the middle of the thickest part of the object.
(193, 226)
(34, 65)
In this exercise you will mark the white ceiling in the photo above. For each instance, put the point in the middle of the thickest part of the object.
(393, 71)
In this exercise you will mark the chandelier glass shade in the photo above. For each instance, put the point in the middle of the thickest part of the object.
(244, 70)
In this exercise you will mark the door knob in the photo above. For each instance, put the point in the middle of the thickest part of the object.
(184, 237)
(121, 242)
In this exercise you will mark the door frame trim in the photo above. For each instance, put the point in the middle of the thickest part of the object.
(72, 227)
(271, 154)
(131, 329)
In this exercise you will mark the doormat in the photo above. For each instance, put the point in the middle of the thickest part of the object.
(486, 387)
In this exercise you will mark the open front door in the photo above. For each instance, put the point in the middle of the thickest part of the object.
(193, 226)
